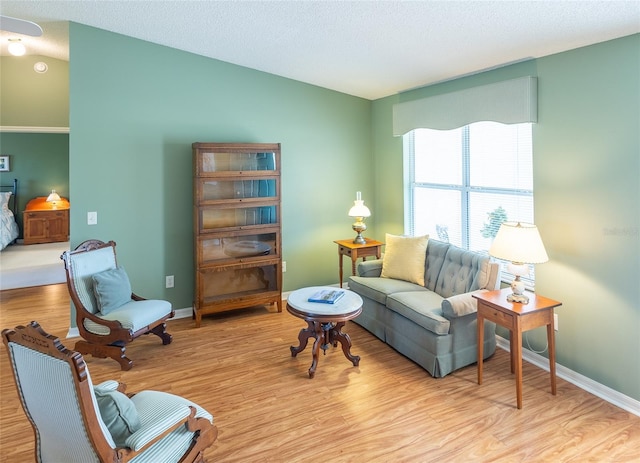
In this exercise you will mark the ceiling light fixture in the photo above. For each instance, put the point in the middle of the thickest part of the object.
(40, 67)
(16, 47)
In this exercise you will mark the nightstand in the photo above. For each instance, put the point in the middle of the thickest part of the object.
(42, 223)
(355, 251)
(517, 317)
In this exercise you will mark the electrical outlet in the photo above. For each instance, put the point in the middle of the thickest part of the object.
(92, 218)
(168, 280)
(555, 321)
(284, 266)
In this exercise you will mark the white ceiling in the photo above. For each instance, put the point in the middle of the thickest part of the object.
(369, 49)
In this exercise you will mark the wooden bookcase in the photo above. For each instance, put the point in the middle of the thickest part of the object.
(237, 227)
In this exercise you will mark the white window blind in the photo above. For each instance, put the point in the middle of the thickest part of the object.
(463, 183)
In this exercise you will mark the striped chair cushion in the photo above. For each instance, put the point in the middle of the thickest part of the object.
(158, 411)
(134, 315)
(86, 264)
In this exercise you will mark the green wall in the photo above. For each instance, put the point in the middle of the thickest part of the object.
(587, 196)
(135, 110)
(40, 162)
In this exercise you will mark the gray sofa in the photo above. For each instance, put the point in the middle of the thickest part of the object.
(434, 325)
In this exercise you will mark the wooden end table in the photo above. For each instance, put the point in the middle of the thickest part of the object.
(355, 251)
(517, 317)
(324, 322)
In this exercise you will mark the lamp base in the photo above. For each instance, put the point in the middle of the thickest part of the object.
(359, 239)
(517, 287)
(521, 298)
(359, 226)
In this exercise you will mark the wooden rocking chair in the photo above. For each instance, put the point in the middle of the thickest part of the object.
(75, 422)
(108, 314)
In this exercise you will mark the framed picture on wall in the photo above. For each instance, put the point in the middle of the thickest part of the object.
(4, 164)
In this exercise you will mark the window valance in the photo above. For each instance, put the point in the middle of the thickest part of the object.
(509, 102)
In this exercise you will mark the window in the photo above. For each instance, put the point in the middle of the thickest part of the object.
(463, 183)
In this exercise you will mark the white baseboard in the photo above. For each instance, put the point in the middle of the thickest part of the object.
(599, 390)
(187, 312)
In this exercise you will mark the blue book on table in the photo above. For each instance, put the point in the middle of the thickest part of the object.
(326, 296)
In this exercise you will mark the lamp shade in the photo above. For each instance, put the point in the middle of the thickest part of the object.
(53, 196)
(519, 243)
(359, 209)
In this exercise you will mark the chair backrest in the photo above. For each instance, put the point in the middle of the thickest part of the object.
(84, 262)
(57, 396)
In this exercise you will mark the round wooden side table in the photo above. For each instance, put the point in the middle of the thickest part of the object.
(324, 322)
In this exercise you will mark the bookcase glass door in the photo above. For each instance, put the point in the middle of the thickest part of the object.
(237, 282)
(221, 161)
(246, 188)
(245, 247)
(215, 219)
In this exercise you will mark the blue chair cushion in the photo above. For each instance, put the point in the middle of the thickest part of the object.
(119, 414)
(112, 289)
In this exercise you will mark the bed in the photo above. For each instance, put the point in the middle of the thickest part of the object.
(9, 203)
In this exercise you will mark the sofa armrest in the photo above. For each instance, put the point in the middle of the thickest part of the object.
(370, 268)
(460, 304)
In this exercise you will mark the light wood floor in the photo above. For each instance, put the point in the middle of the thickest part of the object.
(388, 409)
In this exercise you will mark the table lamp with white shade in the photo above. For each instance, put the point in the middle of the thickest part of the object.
(53, 198)
(359, 211)
(521, 245)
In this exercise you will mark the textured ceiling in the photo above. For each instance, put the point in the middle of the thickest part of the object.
(369, 49)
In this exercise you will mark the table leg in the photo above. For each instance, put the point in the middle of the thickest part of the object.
(303, 338)
(517, 358)
(480, 346)
(319, 335)
(336, 335)
(512, 359)
(354, 258)
(551, 340)
(340, 256)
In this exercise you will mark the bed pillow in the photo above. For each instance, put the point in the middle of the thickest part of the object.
(112, 289)
(118, 413)
(404, 258)
(4, 200)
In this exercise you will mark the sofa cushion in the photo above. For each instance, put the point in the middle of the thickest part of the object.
(378, 288)
(436, 251)
(404, 258)
(459, 271)
(423, 308)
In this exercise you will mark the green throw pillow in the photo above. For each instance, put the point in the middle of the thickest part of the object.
(112, 289)
(119, 414)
